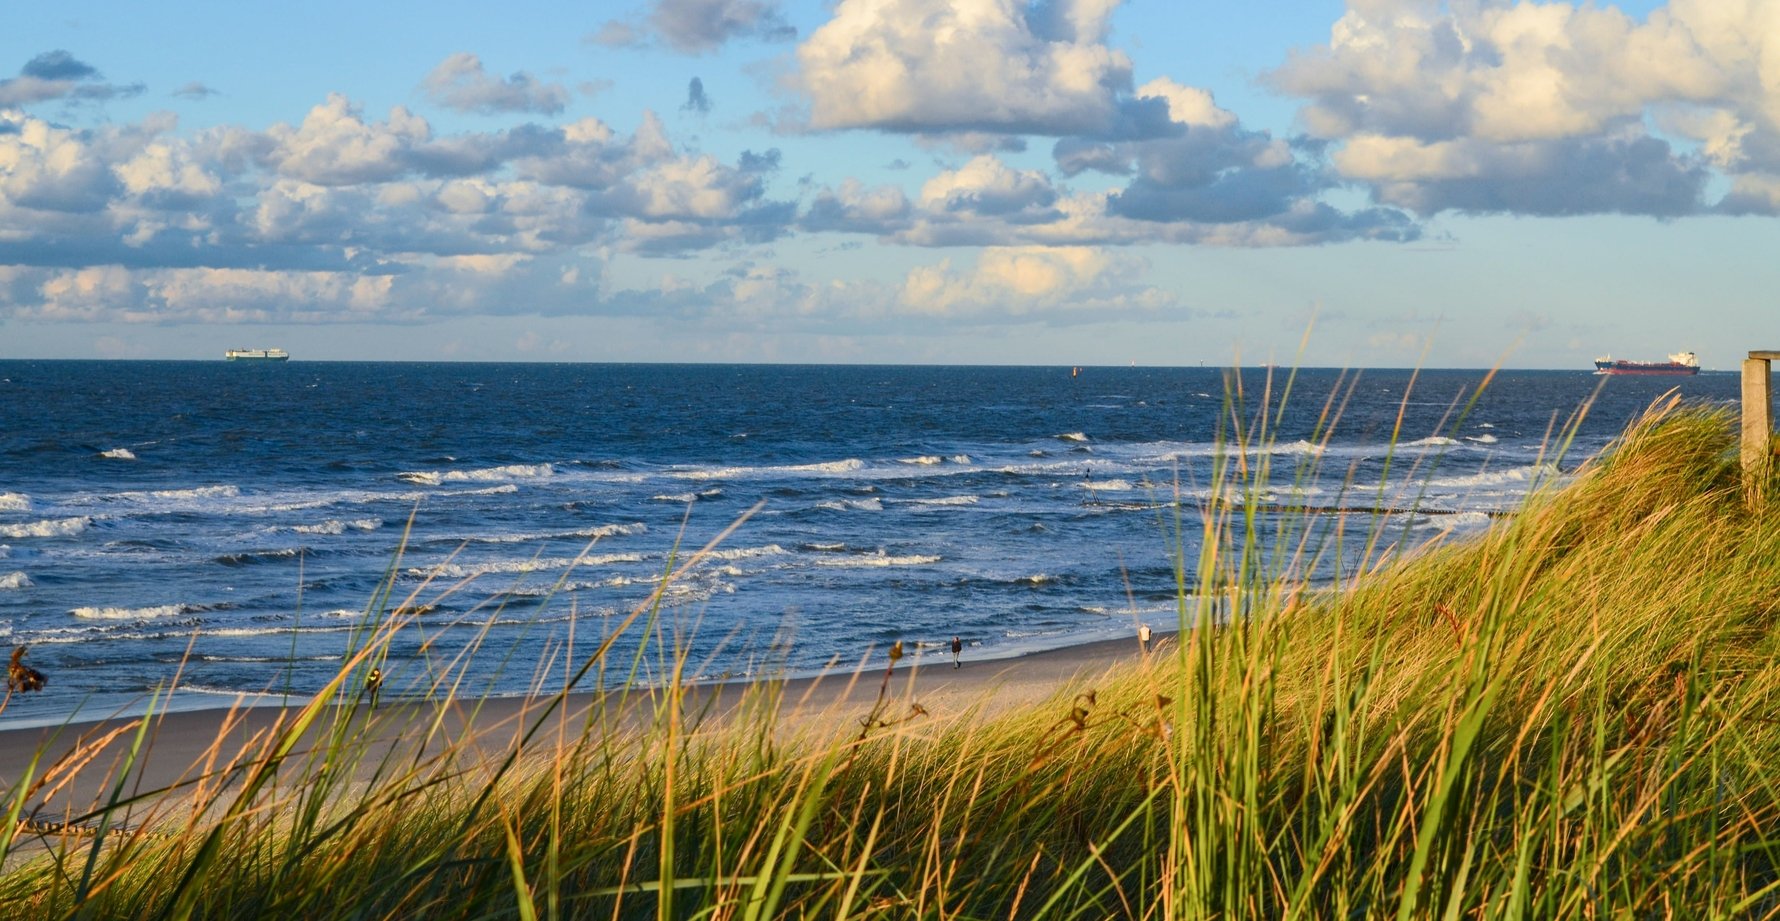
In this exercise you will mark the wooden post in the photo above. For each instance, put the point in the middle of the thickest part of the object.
(1758, 418)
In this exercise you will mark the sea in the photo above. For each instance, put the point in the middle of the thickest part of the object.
(232, 529)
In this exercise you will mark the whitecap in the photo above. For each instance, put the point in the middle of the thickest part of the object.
(119, 454)
(746, 553)
(961, 459)
(1098, 485)
(486, 474)
(948, 500)
(724, 473)
(925, 460)
(1072, 436)
(880, 559)
(148, 613)
(48, 527)
(1432, 441)
(540, 564)
(1482, 439)
(852, 505)
(14, 502)
(15, 580)
(605, 530)
(336, 526)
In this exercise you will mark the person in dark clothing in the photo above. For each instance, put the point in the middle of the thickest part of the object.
(957, 647)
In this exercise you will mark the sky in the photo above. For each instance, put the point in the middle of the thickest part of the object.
(1375, 183)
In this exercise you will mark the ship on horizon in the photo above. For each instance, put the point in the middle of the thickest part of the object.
(1678, 363)
(256, 355)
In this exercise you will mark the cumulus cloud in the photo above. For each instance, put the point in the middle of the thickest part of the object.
(59, 75)
(1017, 281)
(101, 221)
(461, 84)
(996, 66)
(1496, 106)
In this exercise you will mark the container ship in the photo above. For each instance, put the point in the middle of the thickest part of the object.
(1678, 363)
(256, 355)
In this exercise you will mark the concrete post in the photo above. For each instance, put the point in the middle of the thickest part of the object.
(1758, 418)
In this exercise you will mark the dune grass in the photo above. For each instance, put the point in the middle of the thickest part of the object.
(1570, 715)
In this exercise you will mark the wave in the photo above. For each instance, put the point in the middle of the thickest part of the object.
(728, 473)
(711, 493)
(119, 454)
(336, 527)
(15, 580)
(1432, 441)
(746, 553)
(1511, 476)
(605, 530)
(14, 502)
(948, 500)
(517, 567)
(879, 559)
(1072, 436)
(486, 474)
(148, 613)
(852, 505)
(1098, 485)
(250, 557)
(48, 527)
(1485, 439)
(925, 460)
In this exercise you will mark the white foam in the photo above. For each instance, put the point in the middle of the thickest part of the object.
(335, 526)
(605, 530)
(961, 459)
(716, 473)
(1510, 476)
(48, 527)
(5, 551)
(1072, 436)
(879, 559)
(675, 497)
(119, 454)
(486, 474)
(853, 505)
(925, 460)
(15, 580)
(1432, 441)
(746, 553)
(1098, 485)
(1482, 439)
(14, 502)
(948, 500)
(541, 564)
(160, 610)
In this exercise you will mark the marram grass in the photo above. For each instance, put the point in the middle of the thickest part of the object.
(1573, 715)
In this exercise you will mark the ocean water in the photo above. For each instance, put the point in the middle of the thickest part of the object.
(230, 524)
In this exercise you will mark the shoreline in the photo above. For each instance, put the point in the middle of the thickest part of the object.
(179, 743)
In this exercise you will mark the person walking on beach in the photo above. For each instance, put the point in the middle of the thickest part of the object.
(1143, 637)
(373, 684)
(957, 647)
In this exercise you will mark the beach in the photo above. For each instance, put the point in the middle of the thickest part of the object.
(182, 749)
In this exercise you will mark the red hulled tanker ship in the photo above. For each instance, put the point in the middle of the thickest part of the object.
(1678, 363)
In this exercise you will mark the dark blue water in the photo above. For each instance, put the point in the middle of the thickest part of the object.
(232, 523)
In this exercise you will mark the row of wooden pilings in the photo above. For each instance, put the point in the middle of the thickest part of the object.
(1758, 417)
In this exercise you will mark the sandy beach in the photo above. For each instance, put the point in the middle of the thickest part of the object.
(184, 749)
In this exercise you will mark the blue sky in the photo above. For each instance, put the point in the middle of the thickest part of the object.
(994, 181)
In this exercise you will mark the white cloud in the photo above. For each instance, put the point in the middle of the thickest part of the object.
(461, 84)
(965, 65)
(1018, 281)
(1471, 105)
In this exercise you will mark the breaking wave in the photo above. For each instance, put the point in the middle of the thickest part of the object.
(335, 526)
(486, 474)
(148, 613)
(48, 527)
(15, 580)
(119, 454)
(14, 502)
